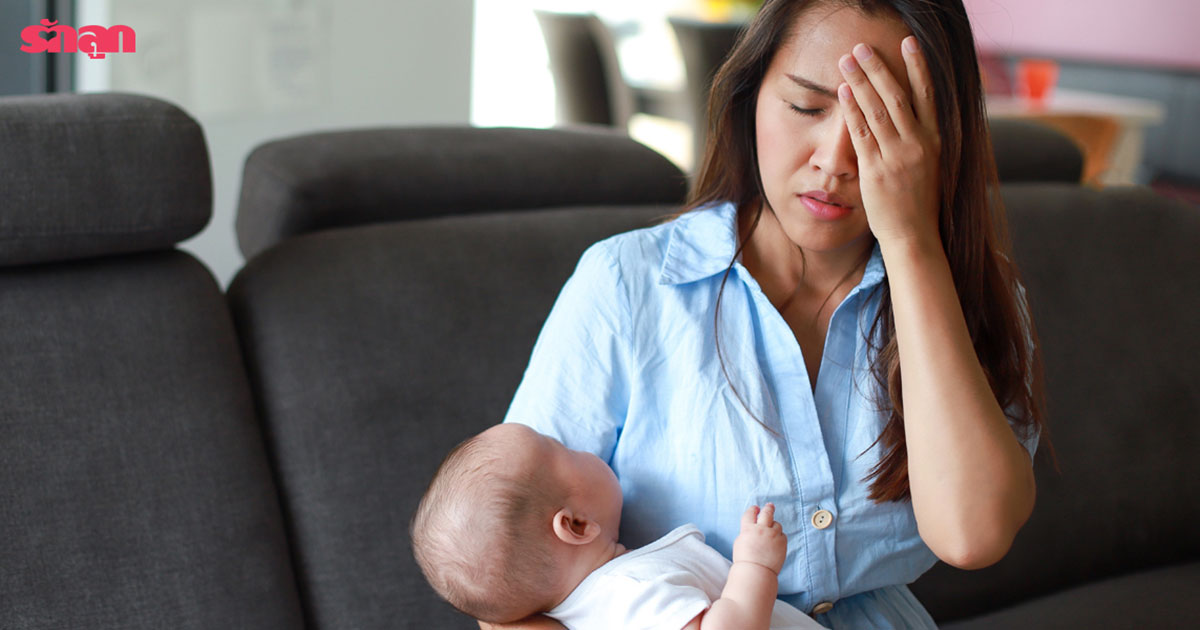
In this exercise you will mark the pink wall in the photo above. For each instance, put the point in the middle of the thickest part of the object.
(1141, 32)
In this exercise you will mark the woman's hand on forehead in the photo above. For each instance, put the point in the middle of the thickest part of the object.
(895, 135)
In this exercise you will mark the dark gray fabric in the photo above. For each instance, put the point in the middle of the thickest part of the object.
(372, 351)
(1163, 598)
(134, 487)
(1114, 286)
(87, 175)
(1028, 151)
(340, 179)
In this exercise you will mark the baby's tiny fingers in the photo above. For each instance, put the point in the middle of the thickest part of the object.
(750, 515)
(767, 515)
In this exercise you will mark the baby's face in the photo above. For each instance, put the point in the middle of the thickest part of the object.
(586, 477)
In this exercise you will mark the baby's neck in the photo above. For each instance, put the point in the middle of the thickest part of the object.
(585, 562)
(617, 549)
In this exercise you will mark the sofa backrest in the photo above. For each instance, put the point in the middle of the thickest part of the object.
(336, 179)
(134, 487)
(1113, 280)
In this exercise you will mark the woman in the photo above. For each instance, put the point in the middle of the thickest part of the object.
(840, 236)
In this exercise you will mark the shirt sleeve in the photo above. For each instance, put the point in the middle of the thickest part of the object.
(1028, 435)
(576, 387)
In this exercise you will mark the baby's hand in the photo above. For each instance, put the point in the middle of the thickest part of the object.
(761, 540)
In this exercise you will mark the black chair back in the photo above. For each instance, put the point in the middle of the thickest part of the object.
(704, 46)
(587, 75)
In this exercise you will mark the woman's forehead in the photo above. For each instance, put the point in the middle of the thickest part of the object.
(823, 33)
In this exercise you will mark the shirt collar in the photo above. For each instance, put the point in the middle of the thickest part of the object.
(703, 241)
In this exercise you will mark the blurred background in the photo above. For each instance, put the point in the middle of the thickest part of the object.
(1122, 78)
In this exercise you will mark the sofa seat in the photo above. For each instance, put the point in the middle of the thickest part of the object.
(1162, 598)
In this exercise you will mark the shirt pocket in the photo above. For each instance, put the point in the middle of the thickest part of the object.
(700, 457)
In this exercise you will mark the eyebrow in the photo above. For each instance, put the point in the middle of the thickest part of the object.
(819, 89)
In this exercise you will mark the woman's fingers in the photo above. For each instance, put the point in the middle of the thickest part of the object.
(924, 103)
(865, 145)
(893, 96)
(866, 93)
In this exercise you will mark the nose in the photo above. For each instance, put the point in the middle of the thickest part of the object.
(834, 154)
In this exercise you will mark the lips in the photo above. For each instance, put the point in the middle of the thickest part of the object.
(825, 206)
(825, 197)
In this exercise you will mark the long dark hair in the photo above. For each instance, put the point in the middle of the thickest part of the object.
(972, 223)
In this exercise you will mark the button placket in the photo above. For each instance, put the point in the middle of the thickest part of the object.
(785, 371)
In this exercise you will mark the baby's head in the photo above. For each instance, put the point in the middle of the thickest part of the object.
(513, 521)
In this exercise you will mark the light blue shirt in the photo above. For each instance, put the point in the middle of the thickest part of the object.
(626, 367)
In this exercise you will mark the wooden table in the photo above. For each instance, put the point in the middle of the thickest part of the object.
(1109, 128)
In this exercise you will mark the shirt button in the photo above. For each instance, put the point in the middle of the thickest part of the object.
(822, 608)
(822, 519)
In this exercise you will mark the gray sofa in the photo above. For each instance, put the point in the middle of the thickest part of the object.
(175, 456)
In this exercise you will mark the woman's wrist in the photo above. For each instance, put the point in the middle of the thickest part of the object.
(911, 245)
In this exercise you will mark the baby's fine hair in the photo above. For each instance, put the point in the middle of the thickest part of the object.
(482, 536)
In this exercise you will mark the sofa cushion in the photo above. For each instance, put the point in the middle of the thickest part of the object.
(1114, 288)
(134, 487)
(95, 174)
(339, 179)
(373, 350)
(1161, 598)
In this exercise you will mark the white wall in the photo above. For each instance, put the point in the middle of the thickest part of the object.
(512, 85)
(255, 70)
(1159, 33)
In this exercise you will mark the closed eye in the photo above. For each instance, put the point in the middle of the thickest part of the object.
(804, 112)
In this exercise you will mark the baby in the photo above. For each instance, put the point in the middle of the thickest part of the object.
(514, 524)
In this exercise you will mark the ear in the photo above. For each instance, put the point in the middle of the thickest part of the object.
(574, 529)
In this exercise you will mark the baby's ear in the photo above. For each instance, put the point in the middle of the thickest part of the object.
(574, 529)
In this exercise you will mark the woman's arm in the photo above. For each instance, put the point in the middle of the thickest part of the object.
(577, 385)
(971, 480)
(536, 622)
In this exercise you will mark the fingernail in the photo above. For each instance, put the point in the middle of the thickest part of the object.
(863, 52)
(847, 63)
(910, 44)
(844, 91)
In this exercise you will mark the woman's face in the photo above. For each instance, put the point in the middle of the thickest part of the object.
(805, 156)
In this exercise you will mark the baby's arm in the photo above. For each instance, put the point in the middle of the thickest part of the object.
(749, 595)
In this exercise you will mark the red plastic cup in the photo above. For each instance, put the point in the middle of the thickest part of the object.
(1036, 79)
